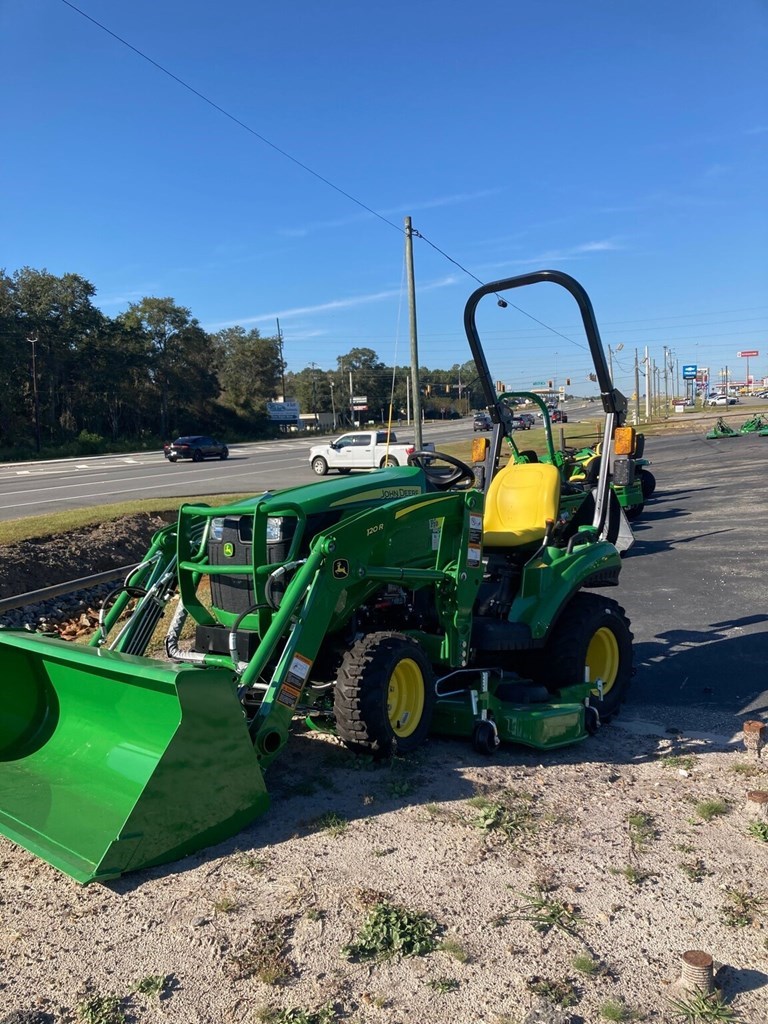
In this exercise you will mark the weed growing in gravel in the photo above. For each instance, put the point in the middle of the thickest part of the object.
(443, 985)
(326, 1015)
(561, 992)
(251, 862)
(742, 907)
(635, 876)
(694, 870)
(679, 761)
(454, 949)
(101, 1010)
(641, 829)
(709, 809)
(265, 957)
(745, 769)
(225, 905)
(615, 1010)
(333, 823)
(390, 931)
(758, 830)
(544, 913)
(512, 818)
(585, 964)
(152, 985)
(702, 1008)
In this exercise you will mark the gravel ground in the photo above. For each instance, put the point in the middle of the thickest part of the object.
(562, 887)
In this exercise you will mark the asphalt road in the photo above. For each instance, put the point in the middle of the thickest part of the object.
(36, 488)
(694, 587)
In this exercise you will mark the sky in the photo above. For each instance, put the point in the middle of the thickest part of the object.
(264, 170)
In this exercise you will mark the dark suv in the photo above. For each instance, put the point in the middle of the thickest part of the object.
(482, 422)
(196, 447)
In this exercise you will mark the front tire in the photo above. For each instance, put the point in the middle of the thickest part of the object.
(224, 454)
(385, 695)
(319, 466)
(197, 455)
(633, 512)
(591, 635)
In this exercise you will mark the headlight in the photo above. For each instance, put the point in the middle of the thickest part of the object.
(217, 529)
(274, 529)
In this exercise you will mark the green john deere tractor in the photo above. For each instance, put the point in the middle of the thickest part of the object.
(393, 604)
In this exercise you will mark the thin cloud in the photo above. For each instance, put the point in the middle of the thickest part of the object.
(335, 305)
(404, 208)
(575, 252)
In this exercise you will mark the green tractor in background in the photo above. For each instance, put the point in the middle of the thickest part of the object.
(385, 606)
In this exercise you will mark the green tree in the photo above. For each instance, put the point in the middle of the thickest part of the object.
(250, 368)
(181, 362)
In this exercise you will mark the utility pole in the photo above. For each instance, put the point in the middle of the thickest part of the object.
(637, 390)
(280, 348)
(414, 342)
(351, 404)
(666, 382)
(333, 403)
(407, 398)
(33, 341)
(647, 385)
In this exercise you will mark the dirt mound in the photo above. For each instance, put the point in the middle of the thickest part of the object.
(44, 562)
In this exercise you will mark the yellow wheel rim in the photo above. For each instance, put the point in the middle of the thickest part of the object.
(405, 698)
(603, 659)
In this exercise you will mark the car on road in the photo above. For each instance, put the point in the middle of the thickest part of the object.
(557, 416)
(529, 419)
(723, 400)
(482, 421)
(196, 447)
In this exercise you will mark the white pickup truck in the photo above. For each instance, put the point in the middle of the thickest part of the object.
(364, 449)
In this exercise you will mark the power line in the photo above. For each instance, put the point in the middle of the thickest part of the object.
(299, 163)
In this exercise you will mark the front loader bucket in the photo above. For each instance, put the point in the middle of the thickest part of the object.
(110, 763)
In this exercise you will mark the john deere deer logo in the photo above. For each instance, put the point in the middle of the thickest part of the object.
(340, 569)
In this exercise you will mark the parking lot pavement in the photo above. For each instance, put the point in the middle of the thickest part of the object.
(694, 587)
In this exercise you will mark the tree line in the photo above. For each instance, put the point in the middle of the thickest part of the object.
(73, 379)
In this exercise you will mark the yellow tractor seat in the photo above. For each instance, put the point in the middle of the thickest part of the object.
(520, 500)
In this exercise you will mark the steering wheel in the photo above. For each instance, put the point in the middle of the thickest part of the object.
(462, 477)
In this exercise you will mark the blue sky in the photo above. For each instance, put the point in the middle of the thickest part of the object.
(622, 143)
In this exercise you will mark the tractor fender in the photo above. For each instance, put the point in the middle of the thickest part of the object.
(549, 583)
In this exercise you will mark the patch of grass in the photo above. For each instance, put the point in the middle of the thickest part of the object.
(266, 955)
(400, 787)
(313, 914)
(454, 949)
(101, 1010)
(443, 985)
(586, 964)
(709, 809)
(679, 761)
(745, 769)
(334, 824)
(702, 1008)
(390, 931)
(325, 1015)
(152, 985)
(742, 907)
(694, 870)
(615, 1010)
(561, 992)
(758, 830)
(252, 862)
(635, 876)
(225, 905)
(545, 912)
(641, 829)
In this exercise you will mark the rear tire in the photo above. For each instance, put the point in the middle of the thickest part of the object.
(385, 695)
(593, 632)
(224, 454)
(319, 466)
(390, 460)
(647, 483)
(633, 512)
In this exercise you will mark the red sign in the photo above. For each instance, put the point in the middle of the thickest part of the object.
(748, 355)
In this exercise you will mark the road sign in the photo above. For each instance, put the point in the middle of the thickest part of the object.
(283, 412)
(689, 372)
(750, 354)
(561, 389)
(537, 383)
